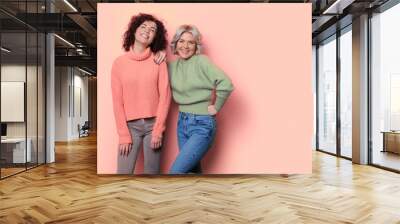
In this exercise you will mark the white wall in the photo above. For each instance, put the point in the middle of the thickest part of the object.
(12, 101)
(16, 73)
(62, 81)
(71, 93)
(80, 84)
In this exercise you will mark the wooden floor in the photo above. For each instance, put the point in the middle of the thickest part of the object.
(69, 191)
(10, 171)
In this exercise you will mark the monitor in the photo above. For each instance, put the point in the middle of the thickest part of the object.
(3, 129)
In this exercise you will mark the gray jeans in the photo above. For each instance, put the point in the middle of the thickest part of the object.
(140, 130)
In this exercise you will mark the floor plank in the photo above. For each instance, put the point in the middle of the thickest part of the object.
(70, 191)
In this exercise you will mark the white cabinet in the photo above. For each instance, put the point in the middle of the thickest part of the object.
(17, 148)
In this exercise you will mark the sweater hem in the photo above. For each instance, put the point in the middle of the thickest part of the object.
(198, 108)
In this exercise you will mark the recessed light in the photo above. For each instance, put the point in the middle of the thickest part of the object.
(70, 5)
(64, 40)
(5, 50)
(84, 71)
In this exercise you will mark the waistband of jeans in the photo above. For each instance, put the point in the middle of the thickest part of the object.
(140, 119)
(191, 115)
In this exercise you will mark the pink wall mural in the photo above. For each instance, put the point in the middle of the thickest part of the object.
(266, 126)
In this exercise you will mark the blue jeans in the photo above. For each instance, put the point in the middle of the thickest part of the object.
(195, 136)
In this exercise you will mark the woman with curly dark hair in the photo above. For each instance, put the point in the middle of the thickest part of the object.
(141, 94)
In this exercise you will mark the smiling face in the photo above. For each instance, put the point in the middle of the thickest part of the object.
(146, 32)
(186, 46)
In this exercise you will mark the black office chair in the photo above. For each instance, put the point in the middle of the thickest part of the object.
(84, 130)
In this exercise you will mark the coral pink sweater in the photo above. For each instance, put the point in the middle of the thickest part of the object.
(140, 89)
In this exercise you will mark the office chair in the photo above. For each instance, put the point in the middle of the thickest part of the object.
(84, 130)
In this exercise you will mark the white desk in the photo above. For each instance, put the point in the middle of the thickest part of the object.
(18, 149)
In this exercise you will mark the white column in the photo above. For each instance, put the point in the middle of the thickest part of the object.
(50, 110)
(50, 93)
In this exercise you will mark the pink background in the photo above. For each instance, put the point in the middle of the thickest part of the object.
(266, 125)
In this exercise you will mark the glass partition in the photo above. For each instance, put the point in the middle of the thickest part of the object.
(327, 95)
(13, 103)
(22, 88)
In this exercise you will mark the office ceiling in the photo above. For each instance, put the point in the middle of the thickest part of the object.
(76, 22)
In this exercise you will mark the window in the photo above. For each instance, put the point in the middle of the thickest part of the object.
(327, 95)
(385, 88)
(346, 92)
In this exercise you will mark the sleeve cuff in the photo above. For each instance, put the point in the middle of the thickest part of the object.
(219, 103)
(157, 132)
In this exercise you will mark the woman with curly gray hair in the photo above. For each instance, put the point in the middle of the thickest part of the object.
(193, 79)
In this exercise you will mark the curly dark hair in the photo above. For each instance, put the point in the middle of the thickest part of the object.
(160, 40)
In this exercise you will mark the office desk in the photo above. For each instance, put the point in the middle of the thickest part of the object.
(13, 150)
(391, 141)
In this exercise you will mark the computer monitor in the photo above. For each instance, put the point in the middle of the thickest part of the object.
(3, 129)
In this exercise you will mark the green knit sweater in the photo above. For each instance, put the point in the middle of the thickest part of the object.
(192, 82)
